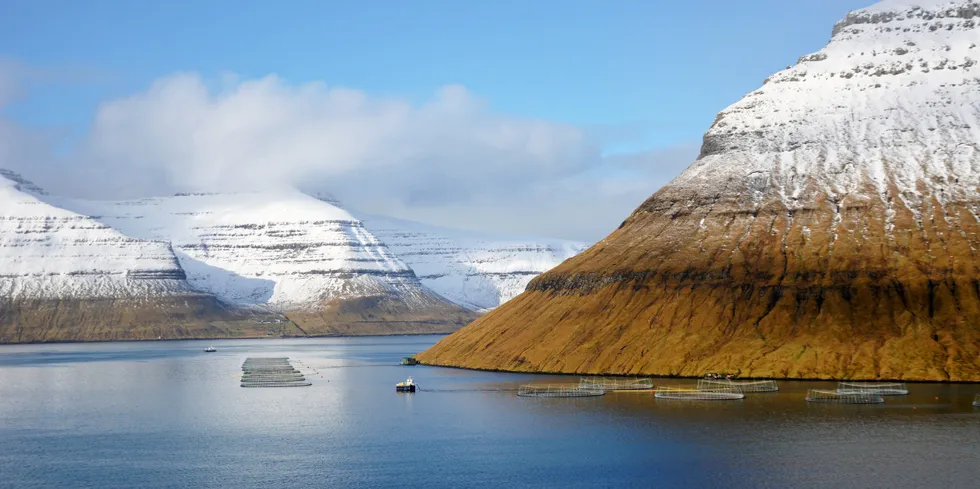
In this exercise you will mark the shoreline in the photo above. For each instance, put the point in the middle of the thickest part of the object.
(654, 376)
(62, 342)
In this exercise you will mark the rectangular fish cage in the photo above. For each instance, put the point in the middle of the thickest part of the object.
(271, 372)
(743, 385)
(558, 390)
(837, 397)
(694, 394)
(880, 388)
(276, 383)
(616, 384)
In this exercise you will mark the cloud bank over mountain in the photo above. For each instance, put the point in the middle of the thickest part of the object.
(450, 160)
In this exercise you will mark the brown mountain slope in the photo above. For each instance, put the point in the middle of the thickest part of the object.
(203, 316)
(382, 315)
(827, 230)
(660, 296)
(115, 319)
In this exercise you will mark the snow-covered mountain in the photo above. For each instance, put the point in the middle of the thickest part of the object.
(51, 253)
(281, 249)
(67, 277)
(476, 270)
(888, 111)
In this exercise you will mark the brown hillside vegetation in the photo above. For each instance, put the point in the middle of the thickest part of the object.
(763, 298)
(94, 319)
(202, 316)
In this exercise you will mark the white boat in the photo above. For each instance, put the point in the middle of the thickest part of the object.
(210, 349)
(407, 386)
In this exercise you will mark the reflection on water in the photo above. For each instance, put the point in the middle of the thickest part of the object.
(166, 414)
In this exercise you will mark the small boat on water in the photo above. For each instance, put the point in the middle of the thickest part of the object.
(407, 386)
(409, 361)
(210, 349)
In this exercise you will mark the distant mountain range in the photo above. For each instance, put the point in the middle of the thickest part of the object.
(241, 264)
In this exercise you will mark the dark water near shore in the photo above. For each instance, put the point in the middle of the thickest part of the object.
(166, 414)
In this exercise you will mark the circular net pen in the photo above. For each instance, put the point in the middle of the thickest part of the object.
(689, 394)
(616, 384)
(742, 385)
(558, 390)
(976, 401)
(837, 397)
(880, 388)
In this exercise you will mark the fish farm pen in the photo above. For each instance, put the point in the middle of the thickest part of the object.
(271, 372)
(743, 385)
(616, 384)
(838, 397)
(689, 394)
(880, 388)
(558, 390)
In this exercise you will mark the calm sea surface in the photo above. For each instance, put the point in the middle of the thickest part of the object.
(166, 414)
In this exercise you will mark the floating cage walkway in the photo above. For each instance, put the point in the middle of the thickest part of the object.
(277, 384)
(559, 390)
(880, 388)
(848, 397)
(616, 384)
(271, 372)
(695, 394)
(743, 385)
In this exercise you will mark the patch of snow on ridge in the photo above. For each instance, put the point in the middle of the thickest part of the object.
(475, 270)
(893, 101)
(282, 248)
(51, 253)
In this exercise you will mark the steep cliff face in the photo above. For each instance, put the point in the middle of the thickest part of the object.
(53, 262)
(829, 229)
(288, 252)
(475, 270)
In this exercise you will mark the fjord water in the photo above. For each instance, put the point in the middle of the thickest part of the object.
(167, 414)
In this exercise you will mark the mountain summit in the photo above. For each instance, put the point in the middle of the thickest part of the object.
(828, 229)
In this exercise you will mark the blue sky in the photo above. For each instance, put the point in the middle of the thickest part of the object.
(636, 75)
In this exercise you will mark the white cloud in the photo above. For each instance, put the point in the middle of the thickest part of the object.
(254, 132)
(450, 160)
(586, 206)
